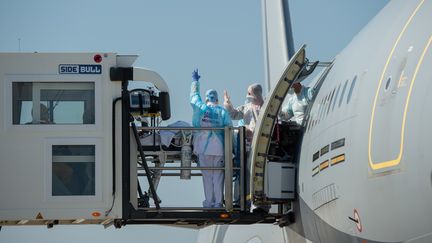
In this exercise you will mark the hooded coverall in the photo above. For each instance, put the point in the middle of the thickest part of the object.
(208, 145)
(248, 113)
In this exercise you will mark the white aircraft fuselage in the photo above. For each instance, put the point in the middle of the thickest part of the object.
(364, 170)
(364, 173)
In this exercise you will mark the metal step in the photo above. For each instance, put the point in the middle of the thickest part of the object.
(198, 218)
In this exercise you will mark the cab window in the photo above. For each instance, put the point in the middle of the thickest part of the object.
(53, 103)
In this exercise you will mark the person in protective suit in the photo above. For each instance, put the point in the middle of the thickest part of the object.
(209, 145)
(248, 116)
(297, 103)
(249, 111)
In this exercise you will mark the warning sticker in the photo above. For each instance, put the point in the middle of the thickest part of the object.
(357, 220)
(39, 216)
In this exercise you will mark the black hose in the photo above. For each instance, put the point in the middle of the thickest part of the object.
(113, 143)
(113, 155)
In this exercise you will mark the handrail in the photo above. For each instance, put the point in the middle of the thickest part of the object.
(191, 168)
(187, 128)
(228, 167)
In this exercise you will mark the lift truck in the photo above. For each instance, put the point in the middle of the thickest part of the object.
(87, 164)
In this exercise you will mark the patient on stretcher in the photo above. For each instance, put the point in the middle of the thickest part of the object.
(165, 139)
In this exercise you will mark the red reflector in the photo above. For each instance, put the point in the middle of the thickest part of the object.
(96, 214)
(224, 215)
(97, 58)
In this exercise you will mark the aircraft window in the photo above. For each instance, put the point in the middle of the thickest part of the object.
(58, 103)
(343, 93)
(321, 108)
(73, 170)
(331, 100)
(336, 97)
(310, 118)
(324, 150)
(351, 89)
(315, 156)
(325, 106)
(308, 122)
(388, 83)
(338, 143)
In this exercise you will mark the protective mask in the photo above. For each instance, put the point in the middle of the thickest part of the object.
(250, 99)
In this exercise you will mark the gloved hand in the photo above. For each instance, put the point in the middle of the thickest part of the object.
(195, 75)
(227, 100)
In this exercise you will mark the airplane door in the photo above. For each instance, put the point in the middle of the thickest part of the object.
(266, 121)
(393, 94)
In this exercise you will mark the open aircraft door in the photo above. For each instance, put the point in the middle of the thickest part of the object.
(262, 188)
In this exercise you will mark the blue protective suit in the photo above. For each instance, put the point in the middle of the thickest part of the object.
(208, 145)
(207, 114)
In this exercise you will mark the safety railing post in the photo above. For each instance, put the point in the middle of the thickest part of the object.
(242, 179)
(228, 169)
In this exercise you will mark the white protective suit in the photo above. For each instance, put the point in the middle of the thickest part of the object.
(248, 116)
(249, 111)
(297, 104)
(208, 145)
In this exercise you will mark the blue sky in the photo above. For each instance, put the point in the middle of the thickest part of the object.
(222, 38)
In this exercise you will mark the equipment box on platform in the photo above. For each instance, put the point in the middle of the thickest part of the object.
(280, 181)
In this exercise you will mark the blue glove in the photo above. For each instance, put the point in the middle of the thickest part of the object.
(195, 75)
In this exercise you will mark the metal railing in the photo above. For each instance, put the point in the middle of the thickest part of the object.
(228, 162)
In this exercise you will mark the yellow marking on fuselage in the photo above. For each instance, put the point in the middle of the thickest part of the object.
(324, 165)
(338, 159)
(394, 162)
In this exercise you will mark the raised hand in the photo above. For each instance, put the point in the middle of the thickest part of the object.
(227, 100)
(195, 75)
